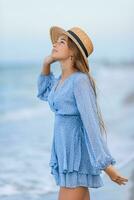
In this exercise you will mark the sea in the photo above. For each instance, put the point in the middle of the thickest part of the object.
(26, 130)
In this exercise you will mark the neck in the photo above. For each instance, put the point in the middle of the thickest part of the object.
(67, 69)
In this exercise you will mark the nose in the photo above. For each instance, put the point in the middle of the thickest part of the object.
(54, 44)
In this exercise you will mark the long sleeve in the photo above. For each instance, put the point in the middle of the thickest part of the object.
(44, 85)
(98, 151)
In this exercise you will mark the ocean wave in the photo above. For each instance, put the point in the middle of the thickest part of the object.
(13, 190)
(25, 114)
(8, 190)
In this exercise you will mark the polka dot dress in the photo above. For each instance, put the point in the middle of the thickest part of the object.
(79, 152)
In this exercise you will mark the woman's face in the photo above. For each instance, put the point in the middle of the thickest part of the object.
(60, 49)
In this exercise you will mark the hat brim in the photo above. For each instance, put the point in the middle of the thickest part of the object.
(56, 31)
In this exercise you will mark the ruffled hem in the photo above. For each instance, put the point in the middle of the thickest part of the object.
(76, 178)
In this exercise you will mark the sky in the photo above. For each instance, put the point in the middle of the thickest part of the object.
(25, 25)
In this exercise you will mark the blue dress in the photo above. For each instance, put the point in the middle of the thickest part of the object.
(79, 153)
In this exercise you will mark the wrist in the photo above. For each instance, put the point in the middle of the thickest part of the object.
(46, 64)
(108, 168)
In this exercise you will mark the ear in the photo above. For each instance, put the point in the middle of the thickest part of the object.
(71, 57)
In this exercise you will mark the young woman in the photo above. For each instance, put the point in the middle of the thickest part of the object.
(79, 152)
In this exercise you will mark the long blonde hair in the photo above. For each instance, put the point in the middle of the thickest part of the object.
(80, 64)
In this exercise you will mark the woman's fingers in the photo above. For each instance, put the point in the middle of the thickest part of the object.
(115, 175)
(120, 180)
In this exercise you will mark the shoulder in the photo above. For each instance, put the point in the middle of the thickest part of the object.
(81, 77)
(83, 82)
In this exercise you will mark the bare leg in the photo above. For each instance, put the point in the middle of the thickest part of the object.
(78, 193)
(87, 196)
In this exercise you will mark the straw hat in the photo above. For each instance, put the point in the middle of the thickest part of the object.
(80, 38)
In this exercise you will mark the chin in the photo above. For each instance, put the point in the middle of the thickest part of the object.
(55, 56)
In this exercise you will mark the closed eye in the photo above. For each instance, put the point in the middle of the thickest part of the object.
(62, 41)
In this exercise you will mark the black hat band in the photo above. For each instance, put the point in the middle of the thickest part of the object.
(79, 41)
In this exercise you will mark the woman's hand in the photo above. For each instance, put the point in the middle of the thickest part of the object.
(46, 64)
(49, 60)
(114, 175)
